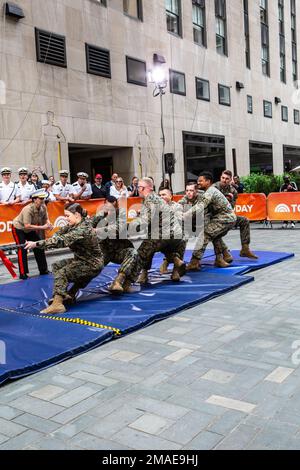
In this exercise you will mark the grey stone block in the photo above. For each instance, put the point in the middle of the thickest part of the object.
(206, 440)
(142, 441)
(114, 422)
(88, 442)
(186, 428)
(77, 395)
(37, 407)
(75, 427)
(21, 441)
(7, 412)
(36, 423)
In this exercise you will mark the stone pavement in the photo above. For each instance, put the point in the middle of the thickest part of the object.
(222, 375)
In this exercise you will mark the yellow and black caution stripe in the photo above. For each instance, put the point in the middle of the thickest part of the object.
(80, 321)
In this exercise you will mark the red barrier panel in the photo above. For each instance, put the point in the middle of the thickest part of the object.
(284, 206)
(253, 206)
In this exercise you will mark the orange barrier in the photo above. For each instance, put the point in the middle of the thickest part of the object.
(284, 206)
(253, 206)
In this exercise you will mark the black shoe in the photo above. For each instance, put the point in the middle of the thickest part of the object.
(23, 276)
(42, 273)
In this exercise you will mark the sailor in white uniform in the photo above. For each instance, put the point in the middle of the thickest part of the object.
(8, 189)
(62, 189)
(24, 189)
(82, 189)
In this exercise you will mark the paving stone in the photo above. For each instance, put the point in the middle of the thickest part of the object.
(178, 355)
(21, 441)
(75, 427)
(74, 411)
(37, 407)
(3, 438)
(125, 356)
(231, 404)
(94, 378)
(160, 408)
(47, 393)
(182, 345)
(36, 423)
(88, 442)
(151, 424)
(77, 395)
(240, 438)
(227, 422)
(10, 429)
(206, 440)
(218, 376)
(142, 441)
(7, 412)
(186, 428)
(279, 375)
(115, 421)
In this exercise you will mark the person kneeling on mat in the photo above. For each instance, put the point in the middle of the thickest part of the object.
(87, 263)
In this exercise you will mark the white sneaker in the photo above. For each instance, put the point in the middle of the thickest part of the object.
(284, 225)
(292, 225)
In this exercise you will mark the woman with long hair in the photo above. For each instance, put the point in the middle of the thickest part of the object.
(87, 263)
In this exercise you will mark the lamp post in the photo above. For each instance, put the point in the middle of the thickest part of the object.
(158, 76)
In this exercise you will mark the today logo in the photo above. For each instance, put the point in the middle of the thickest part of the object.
(246, 208)
(60, 222)
(285, 209)
(5, 226)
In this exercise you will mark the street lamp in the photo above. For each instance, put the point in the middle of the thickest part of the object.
(158, 76)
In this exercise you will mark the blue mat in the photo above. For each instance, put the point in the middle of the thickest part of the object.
(28, 343)
(33, 342)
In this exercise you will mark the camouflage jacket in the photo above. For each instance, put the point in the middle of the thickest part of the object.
(158, 219)
(228, 191)
(217, 205)
(111, 231)
(81, 239)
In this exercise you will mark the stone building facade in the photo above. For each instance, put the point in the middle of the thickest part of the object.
(111, 121)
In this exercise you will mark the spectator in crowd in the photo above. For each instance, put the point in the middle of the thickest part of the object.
(28, 225)
(62, 189)
(8, 189)
(288, 187)
(165, 184)
(152, 182)
(46, 185)
(240, 187)
(52, 180)
(33, 177)
(110, 183)
(99, 191)
(81, 189)
(133, 188)
(24, 188)
(119, 190)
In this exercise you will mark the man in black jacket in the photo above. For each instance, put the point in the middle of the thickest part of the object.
(99, 191)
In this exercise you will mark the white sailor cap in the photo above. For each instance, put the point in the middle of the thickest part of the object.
(40, 193)
(5, 169)
(23, 171)
(46, 182)
(82, 174)
(63, 173)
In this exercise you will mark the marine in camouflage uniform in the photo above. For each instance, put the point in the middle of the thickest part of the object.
(242, 223)
(80, 270)
(221, 219)
(166, 237)
(111, 231)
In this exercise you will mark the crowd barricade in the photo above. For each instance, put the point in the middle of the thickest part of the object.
(254, 206)
(284, 206)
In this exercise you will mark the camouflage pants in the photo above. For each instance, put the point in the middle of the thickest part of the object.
(170, 248)
(244, 225)
(213, 232)
(127, 257)
(73, 271)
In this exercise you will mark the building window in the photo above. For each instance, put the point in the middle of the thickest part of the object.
(282, 41)
(202, 89)
(177, 83)
(249, 104)
(173, 11)
(294, 41)
(50, 48)
(224, 95)
(284, 113)
(265, 53)
(136, 71)
(261, 157)
(221, 33)
(199, 28)
(267, 109)
(97, 61)
(247, 34)
(291, 157)
(296, 116)
(133, 8)
(203, 152)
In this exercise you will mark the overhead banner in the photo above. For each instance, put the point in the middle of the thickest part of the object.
(253, 206)
(284, 206)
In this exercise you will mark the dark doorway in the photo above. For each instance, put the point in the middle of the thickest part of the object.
(104, 166)
(203, 152)
(291, 157)
(261, 158)
(92, 159)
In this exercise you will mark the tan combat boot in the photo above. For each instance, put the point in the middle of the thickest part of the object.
(57, 306)
(143, 277)
(227, 256)
(164, 267)
(180, 266)
(194, 265)
(246, 253)
(220, 263)
(117, 286)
